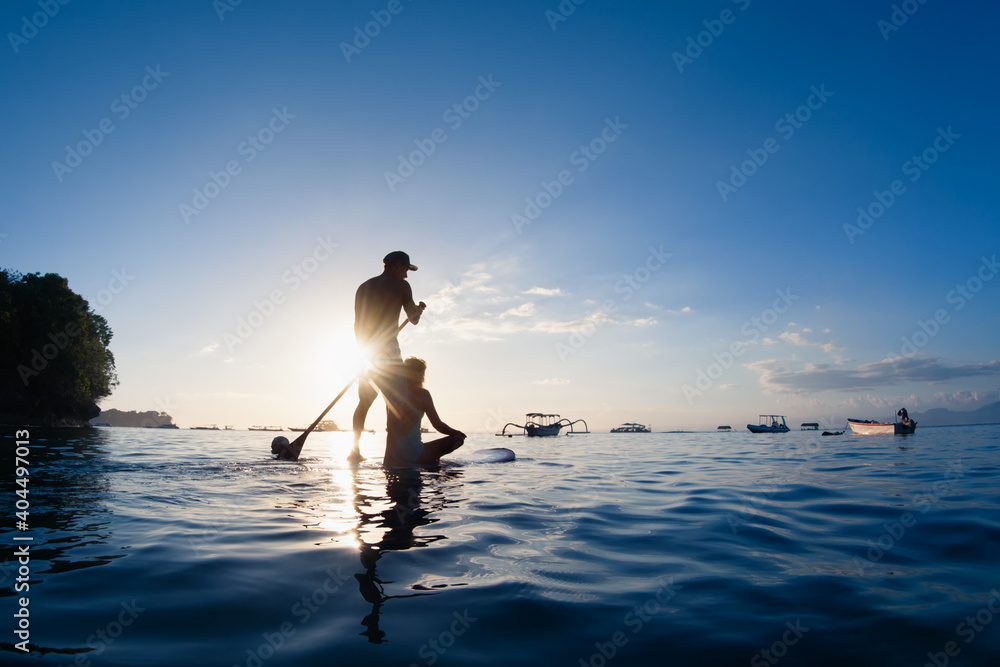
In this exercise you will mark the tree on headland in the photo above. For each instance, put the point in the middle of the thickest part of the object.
(54, 362)
(150, 418)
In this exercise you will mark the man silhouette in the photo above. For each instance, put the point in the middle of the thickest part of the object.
(376, 324)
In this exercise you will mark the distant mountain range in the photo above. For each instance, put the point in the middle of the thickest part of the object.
(988, 414)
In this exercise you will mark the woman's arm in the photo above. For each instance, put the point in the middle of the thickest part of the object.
(432, 415)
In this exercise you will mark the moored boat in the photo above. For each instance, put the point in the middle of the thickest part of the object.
(631, 428)
(870, 427)
(537, 424)
(769, 424)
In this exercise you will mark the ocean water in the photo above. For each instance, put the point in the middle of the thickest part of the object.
(154, 547)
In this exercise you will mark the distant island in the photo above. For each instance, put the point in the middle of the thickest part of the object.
(988, 414)
(149, 419)
(55, 358)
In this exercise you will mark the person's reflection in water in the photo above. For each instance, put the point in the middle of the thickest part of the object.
(404, 487)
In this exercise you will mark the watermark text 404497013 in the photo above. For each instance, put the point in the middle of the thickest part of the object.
(22, 552)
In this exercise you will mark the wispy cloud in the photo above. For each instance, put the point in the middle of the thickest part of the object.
(544, 291)
(777, 376)
(524, 310)
(552, 381)
(482, 304)
(795, 338)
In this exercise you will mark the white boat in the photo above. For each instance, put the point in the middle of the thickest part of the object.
(869, 427)
(769, 424)
(537, 424)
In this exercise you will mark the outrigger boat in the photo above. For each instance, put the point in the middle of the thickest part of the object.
(769, 424)
(869, 427)
(537, 424)
(631, 428)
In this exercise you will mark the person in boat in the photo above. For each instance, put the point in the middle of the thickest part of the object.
(904, 417)
(376, 323)
(408, 448)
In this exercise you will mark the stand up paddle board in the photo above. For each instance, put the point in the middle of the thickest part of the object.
(492, 455)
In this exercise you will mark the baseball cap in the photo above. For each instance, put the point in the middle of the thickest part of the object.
(398, 257)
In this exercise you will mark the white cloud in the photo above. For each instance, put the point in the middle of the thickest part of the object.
(544, 291)
(524, 310)
(794, 338)
(552, 381)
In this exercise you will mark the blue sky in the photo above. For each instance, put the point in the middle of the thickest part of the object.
(634, 211)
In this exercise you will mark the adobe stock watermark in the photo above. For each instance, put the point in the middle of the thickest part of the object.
(432, 650)
(249, 148)
(119, 281)
(59, 339)
(223, 7)
(779, 649)
(122, 107)
(205, 539)
(581, 158)
(164, 407)
(31, 25)
(790, 468)
(786, 126)
(915, 167)
(696, 44)
(455, 115)
(303, 610)
(562, 13)
(895, 531)
(752, 329)
(627, 286)
(967, 629)
(635, 620)
(381, 18)
(263, 310)
(900, 14)
(102, 638)
(959, 297)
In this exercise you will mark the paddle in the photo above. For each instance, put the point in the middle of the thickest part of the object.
(294, 448)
